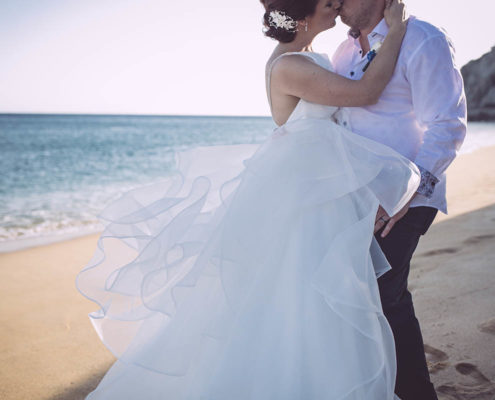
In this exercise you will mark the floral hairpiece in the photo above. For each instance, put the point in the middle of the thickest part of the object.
(280, 19)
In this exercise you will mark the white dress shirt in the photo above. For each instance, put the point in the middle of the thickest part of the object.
(422, 111)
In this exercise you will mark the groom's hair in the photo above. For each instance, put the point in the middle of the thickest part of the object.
(296, 9)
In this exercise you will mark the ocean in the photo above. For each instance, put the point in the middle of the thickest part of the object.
(59, 171)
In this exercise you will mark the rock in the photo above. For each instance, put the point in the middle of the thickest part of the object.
(479, 83)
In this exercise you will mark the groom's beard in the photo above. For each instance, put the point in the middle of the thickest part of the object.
(355, 23)
(357, 19)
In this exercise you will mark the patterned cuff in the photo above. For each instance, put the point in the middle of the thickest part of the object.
(427, 184)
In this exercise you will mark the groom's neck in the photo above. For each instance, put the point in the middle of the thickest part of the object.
(363, 38)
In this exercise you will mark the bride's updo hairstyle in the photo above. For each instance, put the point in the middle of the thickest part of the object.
(296, 9)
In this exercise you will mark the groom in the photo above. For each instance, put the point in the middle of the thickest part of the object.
(422, 115)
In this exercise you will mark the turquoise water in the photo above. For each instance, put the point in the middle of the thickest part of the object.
(58, 171)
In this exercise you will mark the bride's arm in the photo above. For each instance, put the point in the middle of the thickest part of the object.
(297, 76)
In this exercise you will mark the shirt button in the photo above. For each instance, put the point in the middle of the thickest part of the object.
(345, 123)
(352, 73)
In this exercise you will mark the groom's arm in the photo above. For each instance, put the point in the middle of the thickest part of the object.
(439, 103)
(440, 107)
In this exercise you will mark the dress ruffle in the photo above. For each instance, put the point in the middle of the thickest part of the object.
(251, 274)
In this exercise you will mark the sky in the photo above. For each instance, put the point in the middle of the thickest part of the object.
(169, 57)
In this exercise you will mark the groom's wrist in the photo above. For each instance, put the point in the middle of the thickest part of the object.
(399, 29)
(427, 183)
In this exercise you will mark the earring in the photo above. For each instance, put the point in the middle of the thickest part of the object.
(305, 26)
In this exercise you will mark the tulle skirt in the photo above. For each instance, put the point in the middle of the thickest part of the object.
(251, 274)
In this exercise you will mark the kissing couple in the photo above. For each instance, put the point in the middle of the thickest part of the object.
(279, 270)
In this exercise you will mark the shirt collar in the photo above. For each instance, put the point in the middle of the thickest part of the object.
(380, 29)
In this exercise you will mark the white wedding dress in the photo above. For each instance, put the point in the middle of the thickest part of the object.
(252, 273)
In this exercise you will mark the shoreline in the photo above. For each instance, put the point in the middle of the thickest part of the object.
(30, 242)
(78, 222)
(53, 351)
(455, 174)
(44, 240)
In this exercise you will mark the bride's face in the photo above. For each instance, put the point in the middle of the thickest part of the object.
(325, 14)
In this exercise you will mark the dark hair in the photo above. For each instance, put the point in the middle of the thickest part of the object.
(296, 9)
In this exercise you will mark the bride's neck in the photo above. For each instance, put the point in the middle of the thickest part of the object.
(298, 44)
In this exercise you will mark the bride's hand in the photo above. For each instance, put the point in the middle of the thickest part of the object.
(395, 14)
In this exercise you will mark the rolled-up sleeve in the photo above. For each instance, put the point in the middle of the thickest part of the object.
(439, 103)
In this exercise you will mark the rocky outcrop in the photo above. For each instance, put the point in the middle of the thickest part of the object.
(479, 83)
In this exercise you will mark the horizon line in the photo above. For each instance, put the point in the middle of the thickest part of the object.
(131, 114)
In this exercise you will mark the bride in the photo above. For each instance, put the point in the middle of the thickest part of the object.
(251, 274)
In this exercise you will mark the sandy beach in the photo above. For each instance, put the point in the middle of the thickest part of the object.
(49, 350)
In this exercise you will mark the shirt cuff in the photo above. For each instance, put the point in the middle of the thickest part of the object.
(427, 183)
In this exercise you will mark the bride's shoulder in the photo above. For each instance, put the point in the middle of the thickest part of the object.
(288, 64)
(322, 60)
(294, 58)
(283, 61)
(293, 63)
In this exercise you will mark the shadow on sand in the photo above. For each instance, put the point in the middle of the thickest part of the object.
(79, 390)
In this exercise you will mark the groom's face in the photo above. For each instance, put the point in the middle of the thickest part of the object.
(358, 14)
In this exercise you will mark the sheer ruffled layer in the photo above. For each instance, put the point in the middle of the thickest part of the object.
(252, 273)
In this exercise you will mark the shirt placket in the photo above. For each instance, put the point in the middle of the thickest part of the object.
(355, 72)
(357, 63)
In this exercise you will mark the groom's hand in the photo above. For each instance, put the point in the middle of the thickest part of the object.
(393, 220)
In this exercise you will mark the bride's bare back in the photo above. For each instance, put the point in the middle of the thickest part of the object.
(281, 106)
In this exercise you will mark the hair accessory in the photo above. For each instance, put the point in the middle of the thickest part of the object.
(280, 19)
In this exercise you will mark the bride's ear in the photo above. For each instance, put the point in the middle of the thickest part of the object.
(302, 25)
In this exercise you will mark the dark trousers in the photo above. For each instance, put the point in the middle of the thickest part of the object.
(413, 380)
